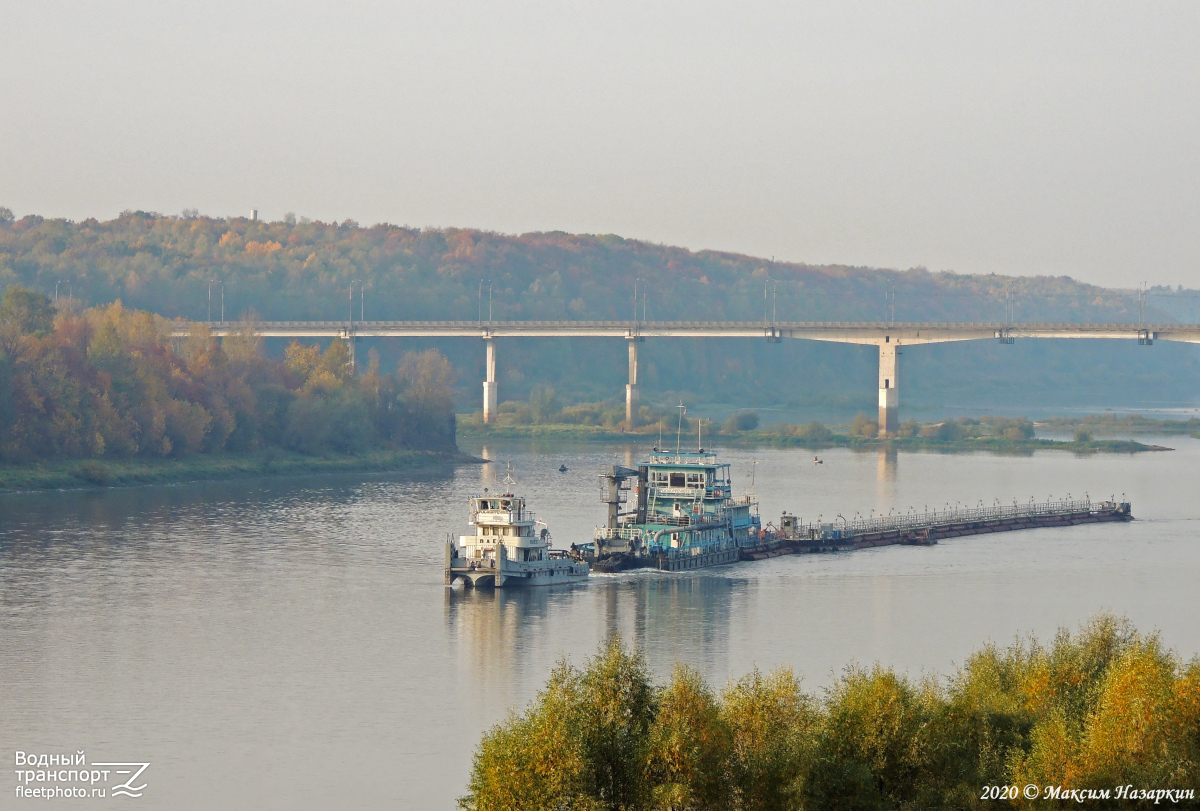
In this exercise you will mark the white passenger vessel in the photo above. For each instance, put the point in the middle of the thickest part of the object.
(506, 549)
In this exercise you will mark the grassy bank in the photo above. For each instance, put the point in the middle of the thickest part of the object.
(593, 433)
(1123, 424)
(997, 444)
(67, 474)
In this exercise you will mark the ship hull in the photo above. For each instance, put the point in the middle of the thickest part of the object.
(695, 558)
(505, 573)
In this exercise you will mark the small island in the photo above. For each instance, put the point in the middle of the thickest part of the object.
(603, 422)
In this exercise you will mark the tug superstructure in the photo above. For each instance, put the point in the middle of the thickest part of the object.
(683, 516)
(506, 548)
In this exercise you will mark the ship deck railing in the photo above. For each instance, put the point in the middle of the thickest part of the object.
(503, 516)
(707, 459)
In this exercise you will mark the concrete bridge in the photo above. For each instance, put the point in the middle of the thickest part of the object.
(890, 337)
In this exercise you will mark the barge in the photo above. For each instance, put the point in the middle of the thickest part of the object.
(925, 529)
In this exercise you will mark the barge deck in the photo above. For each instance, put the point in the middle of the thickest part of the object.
(924, 529)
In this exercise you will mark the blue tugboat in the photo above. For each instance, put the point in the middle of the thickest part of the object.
(679, 513)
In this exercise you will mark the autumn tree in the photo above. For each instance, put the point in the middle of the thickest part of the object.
(1101, 708)
(112, 381)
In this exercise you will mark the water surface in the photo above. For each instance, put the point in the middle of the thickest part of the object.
(289, 643)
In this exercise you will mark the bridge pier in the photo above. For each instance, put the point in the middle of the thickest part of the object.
(490, 393)
(631, 388)
(889, 394)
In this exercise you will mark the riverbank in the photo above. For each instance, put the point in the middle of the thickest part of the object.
(76, 473)
(593, 433)
(1123, 424)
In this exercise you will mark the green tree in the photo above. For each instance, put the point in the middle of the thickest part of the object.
(740, 421)
(864, 426)
(690, 747)
(772, 724)
(30, 312)
(543, 405)
(584, 742)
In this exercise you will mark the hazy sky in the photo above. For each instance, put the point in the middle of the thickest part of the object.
(1008, 137)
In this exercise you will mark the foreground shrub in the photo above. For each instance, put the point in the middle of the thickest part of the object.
(1102, 708)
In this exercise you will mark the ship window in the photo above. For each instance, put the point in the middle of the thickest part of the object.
(677, 480)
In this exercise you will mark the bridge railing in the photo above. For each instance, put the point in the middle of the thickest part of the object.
(644, 326)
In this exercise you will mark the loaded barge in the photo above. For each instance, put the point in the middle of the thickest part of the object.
(925, 529)
(677, 512)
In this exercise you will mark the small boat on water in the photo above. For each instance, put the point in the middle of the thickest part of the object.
(506, 549)
(562, 468)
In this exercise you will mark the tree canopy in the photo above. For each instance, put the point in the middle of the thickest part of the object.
(195, 267)
(110, 381)
(1095, 710)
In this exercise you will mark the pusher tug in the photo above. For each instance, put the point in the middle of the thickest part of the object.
(684, 514)
(506, 549)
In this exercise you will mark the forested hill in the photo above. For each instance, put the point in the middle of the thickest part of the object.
(298, 269)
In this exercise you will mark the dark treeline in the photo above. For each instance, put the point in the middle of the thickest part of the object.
(1104, 708)
(111, 382)
(297, 269)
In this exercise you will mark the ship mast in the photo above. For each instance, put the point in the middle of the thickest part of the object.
(679, 430)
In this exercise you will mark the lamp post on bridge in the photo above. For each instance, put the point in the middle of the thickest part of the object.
(350, 329)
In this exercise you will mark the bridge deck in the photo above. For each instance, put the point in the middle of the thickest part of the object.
(867, 332)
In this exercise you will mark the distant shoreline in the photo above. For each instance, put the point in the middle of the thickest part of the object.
(591, 433)
(77, 474)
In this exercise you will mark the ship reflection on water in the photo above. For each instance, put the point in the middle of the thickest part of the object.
(670, 619)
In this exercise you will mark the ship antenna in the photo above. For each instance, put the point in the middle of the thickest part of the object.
(679, 430)
(699, 439)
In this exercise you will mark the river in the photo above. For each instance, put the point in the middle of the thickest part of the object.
(289, 643)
